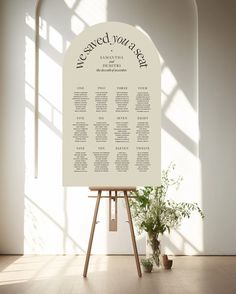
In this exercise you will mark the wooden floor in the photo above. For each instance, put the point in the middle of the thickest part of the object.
(115, 275)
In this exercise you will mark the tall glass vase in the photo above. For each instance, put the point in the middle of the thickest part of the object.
(155, 246)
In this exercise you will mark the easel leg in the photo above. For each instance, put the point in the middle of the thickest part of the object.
(132, 234)
(92, 234)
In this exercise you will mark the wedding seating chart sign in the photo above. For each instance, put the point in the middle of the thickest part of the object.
(111, 108)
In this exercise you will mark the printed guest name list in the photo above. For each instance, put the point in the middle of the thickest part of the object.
(111, 108)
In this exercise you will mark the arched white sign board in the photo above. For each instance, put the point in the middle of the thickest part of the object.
(111, 108)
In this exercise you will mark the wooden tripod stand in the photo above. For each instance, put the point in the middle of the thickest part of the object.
(112, 222)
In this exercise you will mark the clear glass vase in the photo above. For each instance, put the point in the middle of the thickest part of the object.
(154, 243)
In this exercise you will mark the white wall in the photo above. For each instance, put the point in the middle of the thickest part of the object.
(38, 215)
(12, 170)
(217, 106)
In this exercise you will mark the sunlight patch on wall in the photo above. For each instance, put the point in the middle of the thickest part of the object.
(164, 98)
(70, 3)
(92, 11)
(43, 29)
(45, 109)
(77, 26)
(180, 143)
(29, 20)
(185, 239)
(161, 60)
(29, 94)
(50, 76)
(67, 44)
(43, 225)
(168, 81)
(182, 114)
(55, 39)
(57, 119)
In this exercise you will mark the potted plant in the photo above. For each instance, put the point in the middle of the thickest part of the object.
(167, 263)
(155, 214)
(147, 264)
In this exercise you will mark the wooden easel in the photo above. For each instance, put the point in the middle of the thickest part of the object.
(112, 221)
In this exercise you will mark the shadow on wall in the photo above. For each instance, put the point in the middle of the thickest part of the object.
(217, 123)
(12, 128)
(58, 220)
